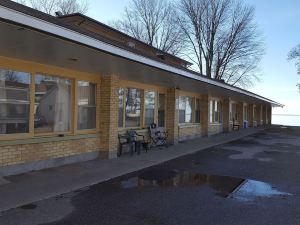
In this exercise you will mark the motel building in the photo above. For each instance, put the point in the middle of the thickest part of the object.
(69, 85)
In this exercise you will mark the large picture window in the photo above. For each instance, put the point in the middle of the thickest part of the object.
(149, 107)
(129, 107)
(185, 109)
(52, 104)
(86, 101)
(14, 102)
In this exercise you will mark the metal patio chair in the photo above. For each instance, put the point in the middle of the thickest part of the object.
(158, 135)
(135, 140)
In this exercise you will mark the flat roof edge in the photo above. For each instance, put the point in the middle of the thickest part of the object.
(67, 33)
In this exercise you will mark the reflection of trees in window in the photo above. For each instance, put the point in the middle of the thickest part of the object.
(133, 108)
(14, 102)
(129, 107)
(149, 107)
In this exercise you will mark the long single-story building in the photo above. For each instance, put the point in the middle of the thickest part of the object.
(69, 85)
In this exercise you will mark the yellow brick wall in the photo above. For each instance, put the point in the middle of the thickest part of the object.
(109, 114)
(189, 132)
(27, 153)
(215, 129)
(172, 115)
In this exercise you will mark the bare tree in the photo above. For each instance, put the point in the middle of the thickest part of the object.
(294, 54)
(52, 6)
(47, 6)
(153, 22)
(223, 40)
(71, 6)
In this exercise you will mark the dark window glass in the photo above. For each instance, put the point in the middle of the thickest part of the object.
(197, 111)
(161, 110)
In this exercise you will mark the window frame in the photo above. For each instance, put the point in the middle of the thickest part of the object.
(246, 112)
(73, 125)
(143, 106)
(215, 104)
(86, 131)
(124, 127)
(28, 134)
(33, 69)
(192, 110)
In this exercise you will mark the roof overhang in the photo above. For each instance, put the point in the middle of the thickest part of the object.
(49, 43)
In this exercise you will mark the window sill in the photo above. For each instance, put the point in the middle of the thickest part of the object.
(37, 140)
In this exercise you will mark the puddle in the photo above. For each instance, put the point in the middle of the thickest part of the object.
(29, 206)
(224, 186)
(251, 188)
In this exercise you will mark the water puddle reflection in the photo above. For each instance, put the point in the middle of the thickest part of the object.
(224, 186)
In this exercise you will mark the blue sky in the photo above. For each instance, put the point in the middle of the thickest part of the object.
(279, 22)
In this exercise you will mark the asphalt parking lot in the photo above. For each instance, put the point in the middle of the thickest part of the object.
(254, 180)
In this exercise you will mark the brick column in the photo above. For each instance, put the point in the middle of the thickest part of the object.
(226, 114)
(204, 115)
(108, 116)
(240, 113)
(172, 115)
(251, 115)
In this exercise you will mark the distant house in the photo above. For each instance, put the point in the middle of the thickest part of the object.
(79, 83)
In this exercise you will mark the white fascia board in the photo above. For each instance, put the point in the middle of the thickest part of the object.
(36, 23)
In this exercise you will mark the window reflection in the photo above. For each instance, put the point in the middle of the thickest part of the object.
(133, 108)
(52, 104)
(121, 107)
(149, 107)
(86, 101)
(14, 102)
(185, 109)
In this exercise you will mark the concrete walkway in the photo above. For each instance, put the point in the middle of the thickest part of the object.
(37, 185)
